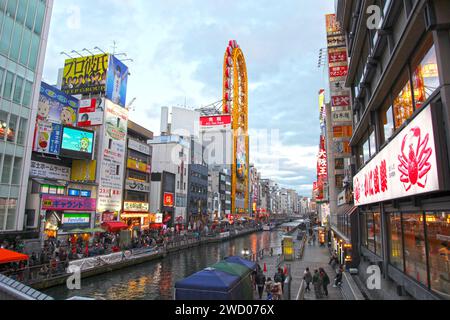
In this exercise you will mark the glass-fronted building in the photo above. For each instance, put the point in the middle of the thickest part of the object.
(399, 73)
(24, 26)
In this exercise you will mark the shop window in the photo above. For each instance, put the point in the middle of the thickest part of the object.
(425, 77)
(438, 234)
(396, 241)
(370, 232)
(403, 103)
(377, 232)
(415, 249)
(387, 122)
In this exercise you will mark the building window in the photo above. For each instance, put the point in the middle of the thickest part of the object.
(415, 249)
(7, 165)
(438, 234)
(387, 121)
(426, 77)
(403, 103)
(340, 181)
(396, 241)
(366, 151)
(339, 164)
(373, 144)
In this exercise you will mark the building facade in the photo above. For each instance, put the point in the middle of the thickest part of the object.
(137, 178)
(23, 42)
(399, 73)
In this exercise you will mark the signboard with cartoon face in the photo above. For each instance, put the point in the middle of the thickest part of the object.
(56, 107)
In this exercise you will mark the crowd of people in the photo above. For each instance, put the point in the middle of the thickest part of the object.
(273, 288)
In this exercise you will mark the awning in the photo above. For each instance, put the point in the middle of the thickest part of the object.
(352, 211)
(114, 226)
(7, 256)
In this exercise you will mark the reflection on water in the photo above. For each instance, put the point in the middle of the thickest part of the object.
(155, 280)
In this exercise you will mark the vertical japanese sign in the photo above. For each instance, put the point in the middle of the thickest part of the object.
(322, 168)
(85, 75)
(113, 158)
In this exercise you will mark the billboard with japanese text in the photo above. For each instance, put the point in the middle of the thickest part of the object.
(85, 75)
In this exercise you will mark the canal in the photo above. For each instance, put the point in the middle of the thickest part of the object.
(155, 280)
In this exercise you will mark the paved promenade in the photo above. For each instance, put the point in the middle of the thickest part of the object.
(314, 257)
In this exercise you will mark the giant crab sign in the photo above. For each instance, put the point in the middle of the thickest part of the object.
(415, 166)
(407, 166)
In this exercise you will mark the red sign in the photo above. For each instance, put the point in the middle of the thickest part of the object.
(340, 101)
(338, 72)
(62, 203)
(337, 56)
(212, 121)
(168, 199)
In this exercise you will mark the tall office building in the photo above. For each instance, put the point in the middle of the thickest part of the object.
(24, 27)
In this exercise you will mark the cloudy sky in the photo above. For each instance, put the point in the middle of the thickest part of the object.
(178, 47)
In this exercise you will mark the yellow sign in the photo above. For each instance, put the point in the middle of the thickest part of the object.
(288, 248)
(138, 165)
(84, 170)
(85, 75)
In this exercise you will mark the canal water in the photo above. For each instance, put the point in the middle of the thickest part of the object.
(155, 280)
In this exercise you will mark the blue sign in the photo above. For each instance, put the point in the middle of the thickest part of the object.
(116, 81)
(74, 192)
(85, 193)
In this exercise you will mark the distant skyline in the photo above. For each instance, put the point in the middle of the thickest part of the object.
(178, 50)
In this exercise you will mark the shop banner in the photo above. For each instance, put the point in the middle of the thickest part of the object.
(76, 218)
(48, 138)
(209, 122)
(62, 203)
(342, 116)
(138, 165)
(136, 207)
(49, 171)
(337, 73)
(85, 75)
(90, 112)
(116, 85)
(337, 55)
(112, 152)
(168, 199)
(407, 166)
(56, 107)
(139, 186)
(340, 101)
(138, 146)
(336, 41)
(333, 26)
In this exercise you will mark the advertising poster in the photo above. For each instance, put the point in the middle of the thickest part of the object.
(241, 157)
(62, 203)
(48, 138)
(90, 112)
(117, 79)
(85, 75)
(113, 158)
(333, 26)
(56, 107)
(168, 199)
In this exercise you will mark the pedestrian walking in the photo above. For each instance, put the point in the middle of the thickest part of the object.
(260, 283)
(277, 291)
(317, 283)
(268, 287)
(307, 276)
(280, 277)
(325, 281)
